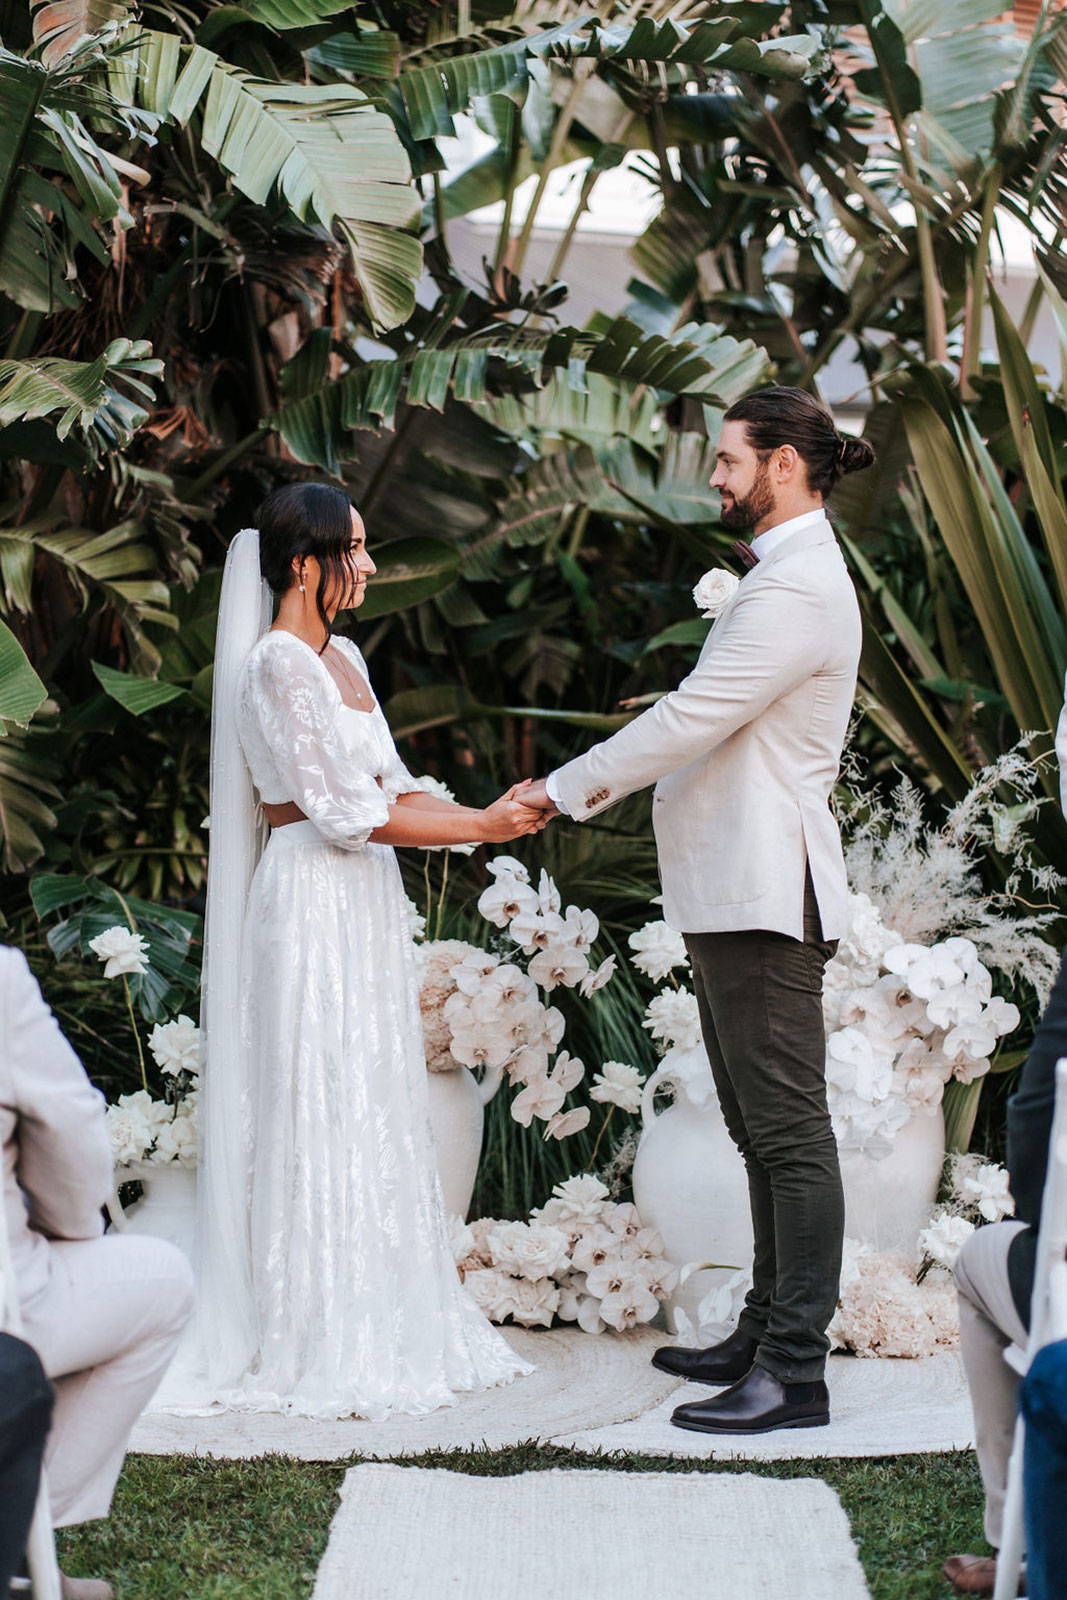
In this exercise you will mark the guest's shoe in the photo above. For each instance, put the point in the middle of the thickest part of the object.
(719, 1363)
(69, 1588)
(975, 1574)
(759, 1403)
(85, 1588)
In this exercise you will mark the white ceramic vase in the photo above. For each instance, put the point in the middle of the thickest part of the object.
(167, 1207)
(457, 1116)
(689, 1180)
(888, 1202)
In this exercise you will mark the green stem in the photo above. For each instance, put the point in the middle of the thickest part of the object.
(428, 886)
(560, 135)
(972, 333)
(441, 897)
(603, 1130)
(136, 1034)
(504, 237)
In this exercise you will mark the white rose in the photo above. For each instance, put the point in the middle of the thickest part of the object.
(490, 1289)
(672, 1016)
(176, 1141)
(657, 950)
(530, 1304)
(943, 1240)
(531, 1250)
(715, 589)
(579, 1200)
(121, 950)
(130, 1134)
(618, 1085)
(175, 1046)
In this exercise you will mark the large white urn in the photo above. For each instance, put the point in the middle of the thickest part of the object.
(688, 1178)
(457, 1116)
(889, 1201)
(167, 1207)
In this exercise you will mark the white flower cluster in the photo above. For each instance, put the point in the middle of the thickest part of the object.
(557, 941)
(484, 1013)
(883, 1311)
(143, 1129)
(714, 591)
(977, 1192)
(902, 1020)
(122, 951)
(581, 1258)
(139, 1127)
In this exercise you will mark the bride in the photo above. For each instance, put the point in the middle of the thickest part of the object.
(327, 1285)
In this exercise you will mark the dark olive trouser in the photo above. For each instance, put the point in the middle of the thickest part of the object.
(760, 998)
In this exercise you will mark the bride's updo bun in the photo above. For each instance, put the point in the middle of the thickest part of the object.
(306, 519)
(779, 415)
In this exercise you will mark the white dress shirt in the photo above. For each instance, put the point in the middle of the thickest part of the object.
(762, 546)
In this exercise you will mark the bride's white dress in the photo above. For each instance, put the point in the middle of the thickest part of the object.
(357, 1308)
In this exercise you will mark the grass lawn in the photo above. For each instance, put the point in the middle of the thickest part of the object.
(186, 1529)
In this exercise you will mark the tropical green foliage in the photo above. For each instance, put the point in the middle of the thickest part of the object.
(225, 264)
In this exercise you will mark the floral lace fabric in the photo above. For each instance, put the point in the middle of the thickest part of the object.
(357, 1306)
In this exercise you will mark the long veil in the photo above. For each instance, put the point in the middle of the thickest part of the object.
(223, 1335)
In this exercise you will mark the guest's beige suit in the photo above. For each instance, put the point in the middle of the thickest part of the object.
(104, 1313)
(746, 751)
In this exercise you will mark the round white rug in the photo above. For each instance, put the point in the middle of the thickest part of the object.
(580, 1382)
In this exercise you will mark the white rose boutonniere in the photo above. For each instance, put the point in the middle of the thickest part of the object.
(714, 590)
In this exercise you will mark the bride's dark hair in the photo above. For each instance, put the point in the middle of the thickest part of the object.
(306, 519)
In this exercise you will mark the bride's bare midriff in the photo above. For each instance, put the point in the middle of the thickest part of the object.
(279, 816)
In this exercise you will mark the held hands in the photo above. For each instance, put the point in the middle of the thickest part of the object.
(515, 814)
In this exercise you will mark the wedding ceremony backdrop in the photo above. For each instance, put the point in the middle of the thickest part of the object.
(236, 251)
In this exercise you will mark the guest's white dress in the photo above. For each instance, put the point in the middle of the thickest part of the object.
(357, 1306)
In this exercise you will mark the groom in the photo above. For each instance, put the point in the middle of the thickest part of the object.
(744, 755)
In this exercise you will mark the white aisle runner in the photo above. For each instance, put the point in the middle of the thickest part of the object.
(410, 1533)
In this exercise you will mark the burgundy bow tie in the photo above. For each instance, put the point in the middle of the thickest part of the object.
(745, 553)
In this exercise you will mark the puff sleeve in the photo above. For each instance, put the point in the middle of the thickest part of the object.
(294, 705)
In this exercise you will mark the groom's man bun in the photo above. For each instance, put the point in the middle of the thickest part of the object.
(779, 415)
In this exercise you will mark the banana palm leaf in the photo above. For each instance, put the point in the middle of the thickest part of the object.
(21, 690)
(115, 565)
(89, 395)
(26, 789)
(332, 155)
(60, 25)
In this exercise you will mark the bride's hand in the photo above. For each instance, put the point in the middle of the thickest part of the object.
(508, 818)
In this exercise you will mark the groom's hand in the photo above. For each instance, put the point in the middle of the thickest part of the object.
(535, 793)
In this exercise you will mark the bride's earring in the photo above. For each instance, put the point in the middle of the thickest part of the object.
(303, 585)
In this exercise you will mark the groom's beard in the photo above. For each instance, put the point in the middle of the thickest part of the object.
(757, 503)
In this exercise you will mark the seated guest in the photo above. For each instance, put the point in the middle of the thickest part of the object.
(25, 1417)
(103, 1312)
(995, 1280)
(1044, 1405)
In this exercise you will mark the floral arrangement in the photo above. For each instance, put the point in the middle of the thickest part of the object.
(482, 1011)
(142, 1128)
(581, 1258)
(903, 1019)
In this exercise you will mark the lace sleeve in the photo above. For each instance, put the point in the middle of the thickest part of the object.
(395, 777)
(295, 705)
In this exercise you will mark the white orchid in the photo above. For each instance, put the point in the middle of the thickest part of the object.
(580, 928)
(558, 966)
(535, 930)
(507, 867)
(122, 951)
(547, 894)
(987, 1189)
(619, 1085)
(927, 968)
(564, 1123)
(505, 899)
(596, 980)
(540, 1098)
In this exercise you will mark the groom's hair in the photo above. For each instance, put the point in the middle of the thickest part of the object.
(778, 415)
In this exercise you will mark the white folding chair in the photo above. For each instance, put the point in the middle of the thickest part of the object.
(41, 1550)
(1048, 1322)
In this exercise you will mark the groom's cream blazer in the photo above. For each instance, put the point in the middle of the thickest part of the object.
(746, 751)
